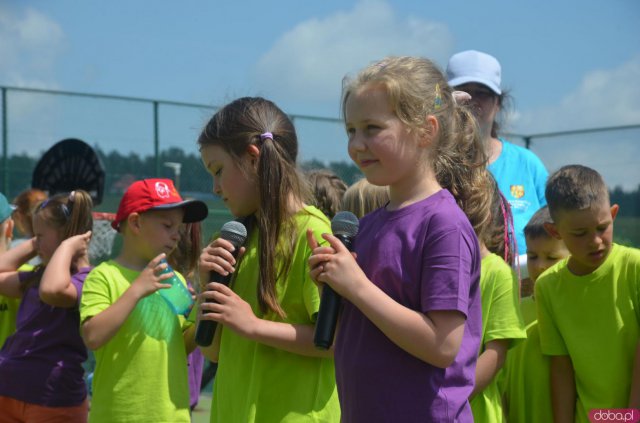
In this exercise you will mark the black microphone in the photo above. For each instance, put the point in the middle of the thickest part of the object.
(236, 233)
(344, 226)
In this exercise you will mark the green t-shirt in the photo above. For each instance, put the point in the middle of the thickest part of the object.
(8, 313)
(141, 373)
(259, 383)
(501, 319)
(528, 310)
(526, 383)
(594, 319)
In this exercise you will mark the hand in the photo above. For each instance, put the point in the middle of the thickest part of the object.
(336, 265)
(151, 277)
(78, 244)
(217, 257)
(220, 304)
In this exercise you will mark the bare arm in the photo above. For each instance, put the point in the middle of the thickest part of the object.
(17, 256)
(634, 393)
(56, 288)
(563, 389)
(99, 329)
(235, 313)
(489, 363)
(434, 338)
(10, 261)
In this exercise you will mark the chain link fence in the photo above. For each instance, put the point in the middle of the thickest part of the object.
(140, 138)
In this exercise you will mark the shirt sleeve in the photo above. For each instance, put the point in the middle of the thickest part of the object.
(95, 294)
(505, 320)
(310, 291)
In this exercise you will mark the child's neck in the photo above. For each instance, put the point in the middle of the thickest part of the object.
(401, 196)
(130, 257)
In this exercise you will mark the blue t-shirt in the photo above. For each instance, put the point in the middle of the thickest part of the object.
(426, 257)
(521, 177)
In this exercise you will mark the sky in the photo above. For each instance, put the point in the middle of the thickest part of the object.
(568, 65)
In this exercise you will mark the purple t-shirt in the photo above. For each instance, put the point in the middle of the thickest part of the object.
(41, 363)
(426, 257)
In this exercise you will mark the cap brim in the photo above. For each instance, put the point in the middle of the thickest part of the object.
(468, 79)
(194, 210)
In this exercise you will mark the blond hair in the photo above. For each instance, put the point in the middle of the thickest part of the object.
(417, 88)
(362, 197)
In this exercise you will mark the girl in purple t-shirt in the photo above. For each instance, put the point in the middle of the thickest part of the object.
(41, 363)
(410, 325)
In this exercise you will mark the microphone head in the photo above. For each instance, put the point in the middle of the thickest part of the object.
(345, 223)
(235, 232)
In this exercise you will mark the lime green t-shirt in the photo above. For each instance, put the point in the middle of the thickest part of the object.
(259, 383)
(595, 320)
(501, 319)
(528, 310)
(141, 373)
(8, 313)
(526, 382)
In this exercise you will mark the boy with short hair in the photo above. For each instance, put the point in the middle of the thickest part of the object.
(526, 389)
(141, 364)
(589, 304)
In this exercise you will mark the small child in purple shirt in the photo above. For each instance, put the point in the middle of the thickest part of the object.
(410, 326)
(41, 374)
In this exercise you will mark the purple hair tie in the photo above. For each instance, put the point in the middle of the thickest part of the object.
(266, 135)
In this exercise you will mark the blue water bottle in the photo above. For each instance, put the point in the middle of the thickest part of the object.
(178, 296)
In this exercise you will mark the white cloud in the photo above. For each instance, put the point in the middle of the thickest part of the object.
(308, 62)
(606, 97)
(31, 43)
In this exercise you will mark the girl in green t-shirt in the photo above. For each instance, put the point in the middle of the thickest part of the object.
(501, 319)
(268, 367)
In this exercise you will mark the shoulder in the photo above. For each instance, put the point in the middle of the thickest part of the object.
(311, 217)
(496, 264)
(520, 152)
(551, 276)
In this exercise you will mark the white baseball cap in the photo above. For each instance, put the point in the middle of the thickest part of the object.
(474, 66)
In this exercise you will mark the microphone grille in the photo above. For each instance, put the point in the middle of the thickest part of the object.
(235, 232)
(345, 223)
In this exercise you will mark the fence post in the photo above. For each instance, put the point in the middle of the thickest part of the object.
(156, 138)
(5, 144)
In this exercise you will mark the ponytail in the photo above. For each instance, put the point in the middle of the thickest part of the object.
(460, 166)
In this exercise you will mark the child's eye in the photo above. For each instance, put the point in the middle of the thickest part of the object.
(531, 256)
(351, 131)
(217, 172)
(371, 128)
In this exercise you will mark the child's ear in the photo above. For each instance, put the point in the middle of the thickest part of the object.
(254, 152)
(614, 211)
(430, 130)
(552, 230)
(134, 222)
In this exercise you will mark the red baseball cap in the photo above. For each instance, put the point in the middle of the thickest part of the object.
(157, 194)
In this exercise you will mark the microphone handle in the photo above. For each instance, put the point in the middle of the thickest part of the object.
(329, 309)
(207, 328)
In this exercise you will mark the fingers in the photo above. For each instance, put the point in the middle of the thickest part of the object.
(335, 243)
(156, 261)
(218, 257)
(313, 243)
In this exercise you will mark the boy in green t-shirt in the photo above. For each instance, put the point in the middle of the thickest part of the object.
(141, 364)
(589, 304)
(525, 383)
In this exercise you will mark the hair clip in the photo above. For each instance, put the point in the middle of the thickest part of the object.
(266, 135)
(72, 196)
(437, 103)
